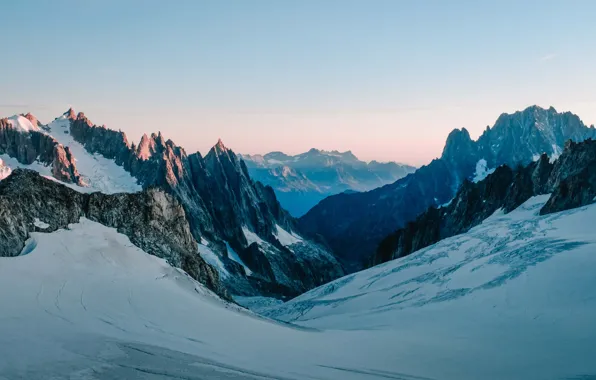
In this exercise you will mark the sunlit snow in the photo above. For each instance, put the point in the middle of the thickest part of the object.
(22, 124)
(99, 173)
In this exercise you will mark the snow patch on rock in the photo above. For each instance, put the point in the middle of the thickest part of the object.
(252, 237)
(286, 238)
(99, 173)
(482, 170)
(39, 224)
(234, 256)
(212, 259)
(22, 124)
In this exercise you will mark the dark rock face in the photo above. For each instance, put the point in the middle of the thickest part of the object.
(152, 219)
(571, 180)
(219, 199)
(574, 180)
(28, 147)
(354, 224)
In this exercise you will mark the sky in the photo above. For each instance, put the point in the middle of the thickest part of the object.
(387, 80)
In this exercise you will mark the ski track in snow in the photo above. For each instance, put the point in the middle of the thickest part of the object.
(514, 298)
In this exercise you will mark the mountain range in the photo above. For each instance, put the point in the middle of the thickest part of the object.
(232, 223)
(123, 260)
(303, 180)
(353, 225)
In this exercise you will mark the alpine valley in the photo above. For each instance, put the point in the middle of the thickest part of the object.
(123, 260)
(303, 180)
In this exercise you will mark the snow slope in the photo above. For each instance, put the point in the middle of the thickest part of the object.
(99, 173)
(513, 298)
(84, 303)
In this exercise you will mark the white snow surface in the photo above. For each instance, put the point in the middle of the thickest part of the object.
(252, 237)
(85, 303)
(22, 124)
(514, 298)
(286, 238)
(556, 153)
(40, 224)
(234, 256)
(482, 170)
(12, 163)
(99, 173)
(212, 258)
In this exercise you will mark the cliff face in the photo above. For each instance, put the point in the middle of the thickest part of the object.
(153, 220)
(33, 145)
(354, 224)
(222, 205)
(571, 180)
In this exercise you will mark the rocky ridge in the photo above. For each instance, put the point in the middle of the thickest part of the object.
(222, 204)
(571, 180)
(153, 220)
(35, 145)
(354, 224)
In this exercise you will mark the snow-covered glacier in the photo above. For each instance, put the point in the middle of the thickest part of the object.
(514, 298)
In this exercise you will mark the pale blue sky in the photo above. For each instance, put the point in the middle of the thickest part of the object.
(386, 79)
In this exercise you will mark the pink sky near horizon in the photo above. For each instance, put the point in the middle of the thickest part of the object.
(412, 136)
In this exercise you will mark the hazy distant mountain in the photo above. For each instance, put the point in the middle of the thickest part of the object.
(301, 181)
(354, 224)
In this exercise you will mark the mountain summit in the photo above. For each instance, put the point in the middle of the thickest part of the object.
(237, 224)
(354, 224)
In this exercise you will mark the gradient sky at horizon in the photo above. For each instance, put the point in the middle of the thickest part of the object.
(387, 79)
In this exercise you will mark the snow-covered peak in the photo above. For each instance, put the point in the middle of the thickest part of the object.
(22, 124)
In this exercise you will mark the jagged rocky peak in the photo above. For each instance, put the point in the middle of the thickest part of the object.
(220, 147)
(458, 142)
(223, 206)
(24, 141)
(29, 116)
(70, 114)
(571, 181)
(147, 147)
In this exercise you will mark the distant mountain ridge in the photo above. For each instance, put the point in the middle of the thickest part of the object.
(354, 224)
(302, 180)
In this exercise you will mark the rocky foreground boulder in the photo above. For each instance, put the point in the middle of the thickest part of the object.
(152, 219)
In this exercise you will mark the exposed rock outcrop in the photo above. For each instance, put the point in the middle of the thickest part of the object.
(153, 220)
(571, 180)
(354, 224)
(220, 201)
(28, 147)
